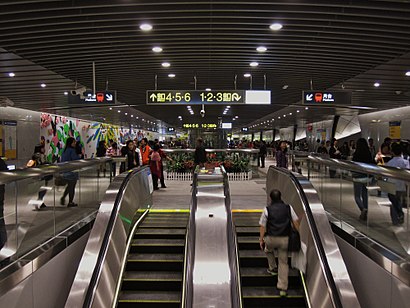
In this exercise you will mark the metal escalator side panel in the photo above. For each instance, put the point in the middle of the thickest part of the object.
(327, 278)
(99, 269)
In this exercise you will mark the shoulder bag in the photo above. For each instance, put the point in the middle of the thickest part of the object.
(294, 236)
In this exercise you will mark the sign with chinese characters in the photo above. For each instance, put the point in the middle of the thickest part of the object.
(199, 125)
(88, 97)
(327, 97)
(195, 97)
(395, 130)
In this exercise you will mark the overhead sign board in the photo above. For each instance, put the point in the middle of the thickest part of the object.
(226, 125)
(220, 97)
(199, 125)
(88, 97)
(327, 97)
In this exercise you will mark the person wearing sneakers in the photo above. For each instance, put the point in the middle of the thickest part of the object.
(275, 226)
(69, 154)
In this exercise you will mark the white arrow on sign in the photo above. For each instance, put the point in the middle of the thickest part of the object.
(309, 97)
(108, 97)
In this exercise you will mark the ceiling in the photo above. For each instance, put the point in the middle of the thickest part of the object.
(323, 45)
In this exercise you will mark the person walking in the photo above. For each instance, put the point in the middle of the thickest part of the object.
(275, 226)
(155, 166)
(263, 151)
(69, 154)
(281, 158)
(396, 209)
(361, 155)
(334, 153)
(200, 153)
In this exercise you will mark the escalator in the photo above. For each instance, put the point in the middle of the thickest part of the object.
(258, 286)
(154, 269)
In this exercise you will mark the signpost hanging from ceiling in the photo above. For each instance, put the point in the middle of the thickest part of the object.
(88, 97)
(195, 97)
(327, 98)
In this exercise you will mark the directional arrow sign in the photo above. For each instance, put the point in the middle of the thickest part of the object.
(88, 97)
(309, 97)
(109, 97)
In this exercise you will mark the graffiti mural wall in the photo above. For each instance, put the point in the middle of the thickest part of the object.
(56, 129)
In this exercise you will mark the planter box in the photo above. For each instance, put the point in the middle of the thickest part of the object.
(187, 176)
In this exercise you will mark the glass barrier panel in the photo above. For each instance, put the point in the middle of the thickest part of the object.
(346, 195)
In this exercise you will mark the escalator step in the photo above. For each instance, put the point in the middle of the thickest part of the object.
(257, 276)
(163, 224)
(158, 246)
(155, 262)
(152, 280)
(269, 297)
(247, 231)
(149, 299)
(160, 233)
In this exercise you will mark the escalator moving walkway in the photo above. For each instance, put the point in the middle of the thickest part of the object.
(154, 270)
(259, 287)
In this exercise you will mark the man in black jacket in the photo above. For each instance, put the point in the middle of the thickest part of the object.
(200, 153)
(275, 227)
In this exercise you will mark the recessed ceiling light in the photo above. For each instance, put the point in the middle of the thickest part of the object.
(110, 108)
(279, 118)
(377, 84)
(284, 115)
(276, 26)
(65, 93)
(119, 111)
(132, 116)
(306, 108)
(254, 64)
(43, 85)
(261, 49)
(408, 73)
(297, 111)
(236, 117)
(208, 89)
(247, 75)
(228, 107)
(126, 113)
(166, 64)
(146, 27)
(171, 75)
(12, 74)
(290, 113)
(156, 49)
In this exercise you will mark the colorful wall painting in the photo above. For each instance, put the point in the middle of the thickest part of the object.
(55, 129)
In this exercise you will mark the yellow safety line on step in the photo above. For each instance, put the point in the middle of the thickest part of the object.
(247, 211)
(169, 210)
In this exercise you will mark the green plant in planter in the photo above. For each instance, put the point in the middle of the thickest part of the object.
(181, 162)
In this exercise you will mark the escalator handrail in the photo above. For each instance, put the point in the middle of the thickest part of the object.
(333, 290)
(375, 170)
(97, 270)
(129, 243)
(236, 286)
(187, 279)
(122, 181)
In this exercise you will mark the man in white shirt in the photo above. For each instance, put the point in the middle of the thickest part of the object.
(275, 226)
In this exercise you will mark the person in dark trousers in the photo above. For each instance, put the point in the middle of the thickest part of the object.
(200, 153)
(263, 151)
(39, 159)
(163, 158)
(396, 209)
(334, 153)
(275, 226)
(101, 152)
(155, 165)
(281, 158)
(361, 155)
(69, 154)
(132, 159)
(3, 231)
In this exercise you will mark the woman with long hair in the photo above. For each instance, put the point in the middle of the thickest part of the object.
(362, 155)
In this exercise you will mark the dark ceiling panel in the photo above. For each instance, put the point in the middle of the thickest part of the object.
(327, 44)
